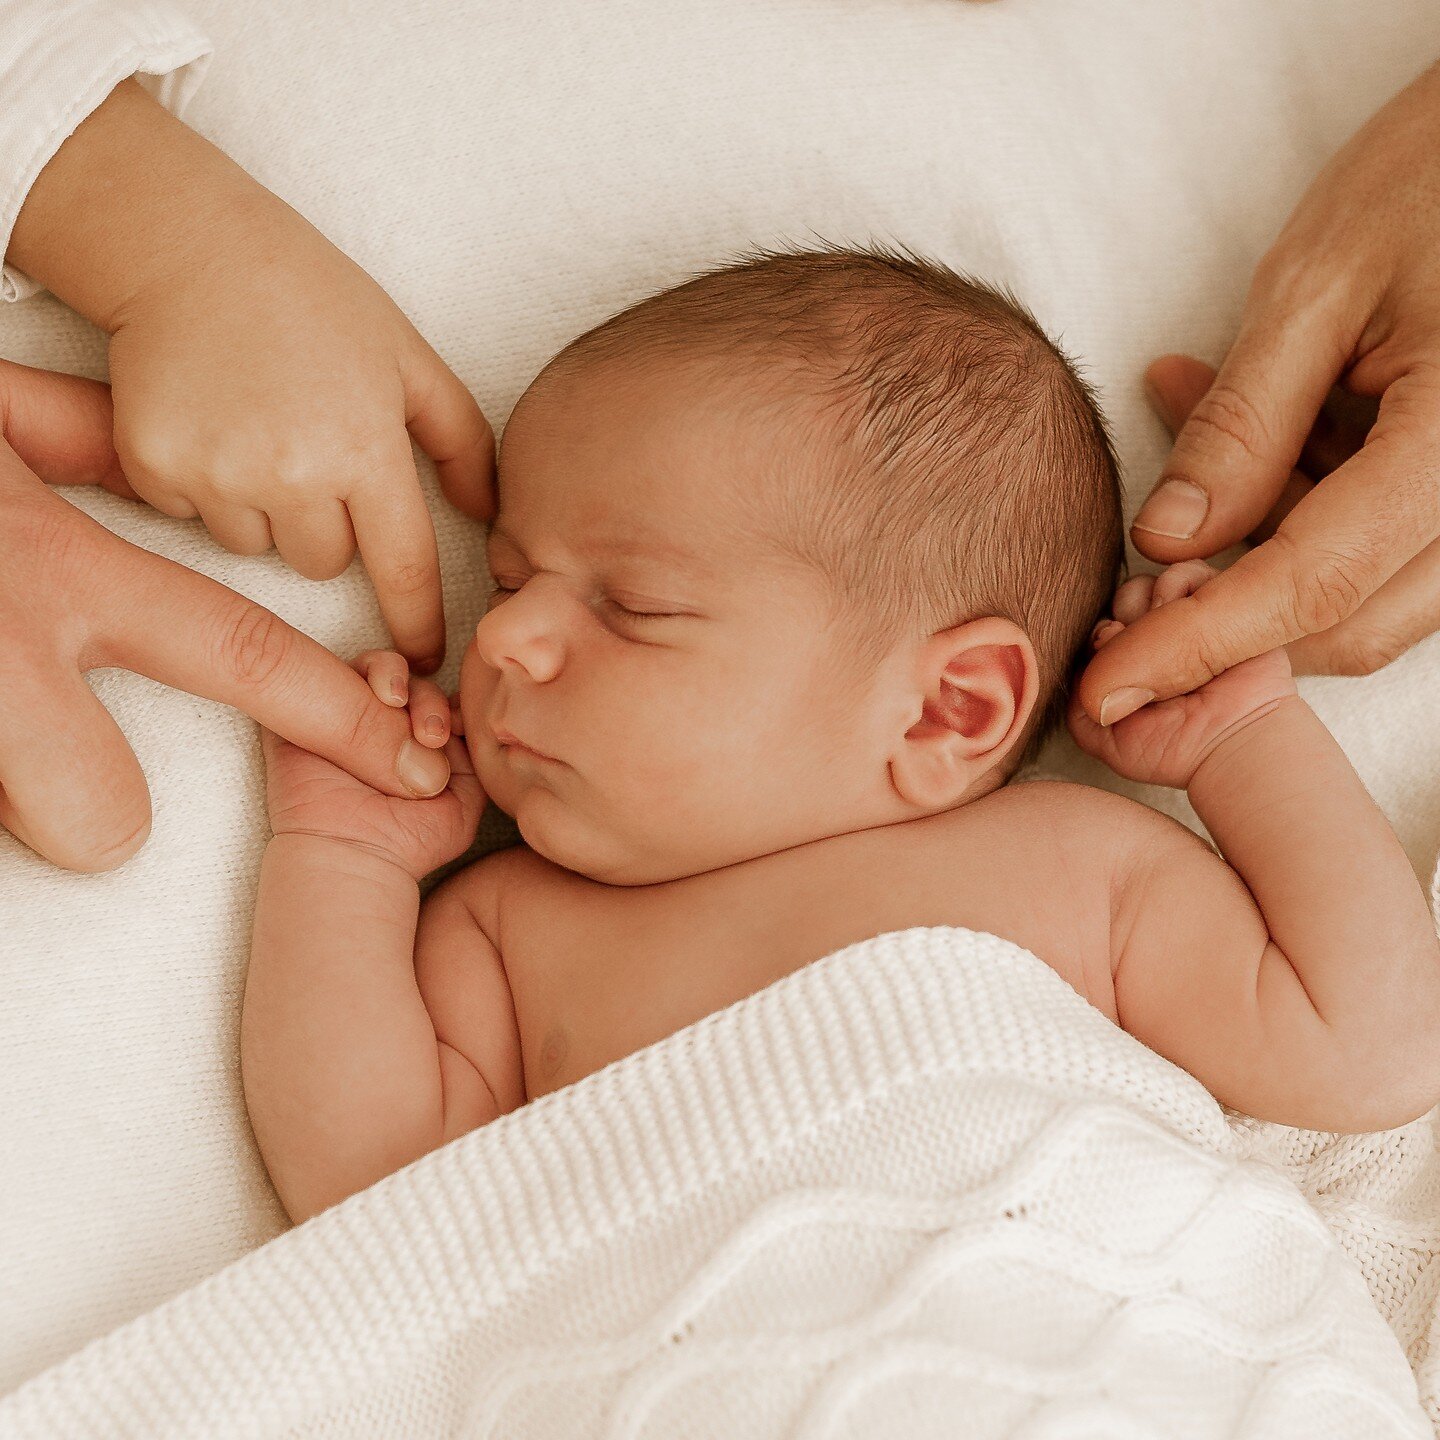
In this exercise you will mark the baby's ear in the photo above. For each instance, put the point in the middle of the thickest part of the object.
(976, 684)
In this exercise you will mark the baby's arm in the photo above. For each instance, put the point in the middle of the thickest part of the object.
(375, 1028)
(1300, 981)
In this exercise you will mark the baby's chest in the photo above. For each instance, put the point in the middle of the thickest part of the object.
(591, 985)
(598, 972)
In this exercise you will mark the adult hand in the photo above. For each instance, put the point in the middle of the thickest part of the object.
(261, 379)
(1348, 294)
(74, 597)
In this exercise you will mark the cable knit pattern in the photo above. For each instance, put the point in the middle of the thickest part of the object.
(918, 1180)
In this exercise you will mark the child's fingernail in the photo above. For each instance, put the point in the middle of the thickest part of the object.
(399, 691)
(422, 772)
(1176, 509)
(435, 726)
(1122, 702)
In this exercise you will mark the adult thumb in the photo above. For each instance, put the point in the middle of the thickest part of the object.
(1234, 454)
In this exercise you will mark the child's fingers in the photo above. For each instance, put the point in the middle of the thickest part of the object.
(388, 674)
(1180, 580)
(429, 713)
(1132, 599)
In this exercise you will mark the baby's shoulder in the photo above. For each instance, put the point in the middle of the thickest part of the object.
(1070, 804)
(1083, 825)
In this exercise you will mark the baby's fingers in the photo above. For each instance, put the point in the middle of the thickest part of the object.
(388, 674)
(1096, 741)
(1132, 599)
(465, 784)
(429, 713)
(1179, 580)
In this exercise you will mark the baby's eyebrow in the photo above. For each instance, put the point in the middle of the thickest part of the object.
(622, 547)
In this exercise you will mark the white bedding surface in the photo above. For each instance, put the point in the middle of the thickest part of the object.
(511, 174)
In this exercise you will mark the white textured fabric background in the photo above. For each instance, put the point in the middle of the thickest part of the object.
(511, 174)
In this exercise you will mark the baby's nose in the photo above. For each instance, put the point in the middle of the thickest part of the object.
(520, 634)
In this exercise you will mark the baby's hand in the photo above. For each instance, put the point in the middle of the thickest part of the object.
(310, 796)
(1163, 743)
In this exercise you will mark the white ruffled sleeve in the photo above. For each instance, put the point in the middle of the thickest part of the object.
(58, 60)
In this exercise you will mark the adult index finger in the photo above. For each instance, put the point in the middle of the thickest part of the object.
(186, 630)
(1340, 543)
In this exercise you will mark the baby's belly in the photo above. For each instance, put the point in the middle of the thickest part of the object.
(600, 971)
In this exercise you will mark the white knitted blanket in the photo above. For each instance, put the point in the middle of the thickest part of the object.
(918, 1189)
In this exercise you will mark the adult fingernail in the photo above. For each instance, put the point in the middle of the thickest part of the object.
(422, 772)
(1122, 702)
(1177, 509)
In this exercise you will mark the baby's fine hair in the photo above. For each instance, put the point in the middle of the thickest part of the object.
(953, 462)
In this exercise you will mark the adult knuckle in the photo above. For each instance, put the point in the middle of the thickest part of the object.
(1322, 590)
(47, 533)
(254, 644)
(57, 541)
(1292, 286)
(1363, 649)
(1228, 418)
(1208, 635)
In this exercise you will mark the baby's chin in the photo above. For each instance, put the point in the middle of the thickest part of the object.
(554, 831)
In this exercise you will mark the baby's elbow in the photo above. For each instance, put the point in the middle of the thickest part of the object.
(1395, 1074)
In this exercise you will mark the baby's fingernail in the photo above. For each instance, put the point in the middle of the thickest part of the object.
(422, 772)
(1122, 702)
(1176, 509)
(398, 691)
(435, 726)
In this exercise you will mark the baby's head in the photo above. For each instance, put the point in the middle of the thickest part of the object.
(806, 545)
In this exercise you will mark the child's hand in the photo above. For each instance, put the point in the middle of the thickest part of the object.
(310, 796)
(269, 393)
(1164, 742)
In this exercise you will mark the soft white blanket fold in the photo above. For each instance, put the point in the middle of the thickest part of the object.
(918, 1182)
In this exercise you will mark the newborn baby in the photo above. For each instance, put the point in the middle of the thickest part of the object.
(794, 567)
